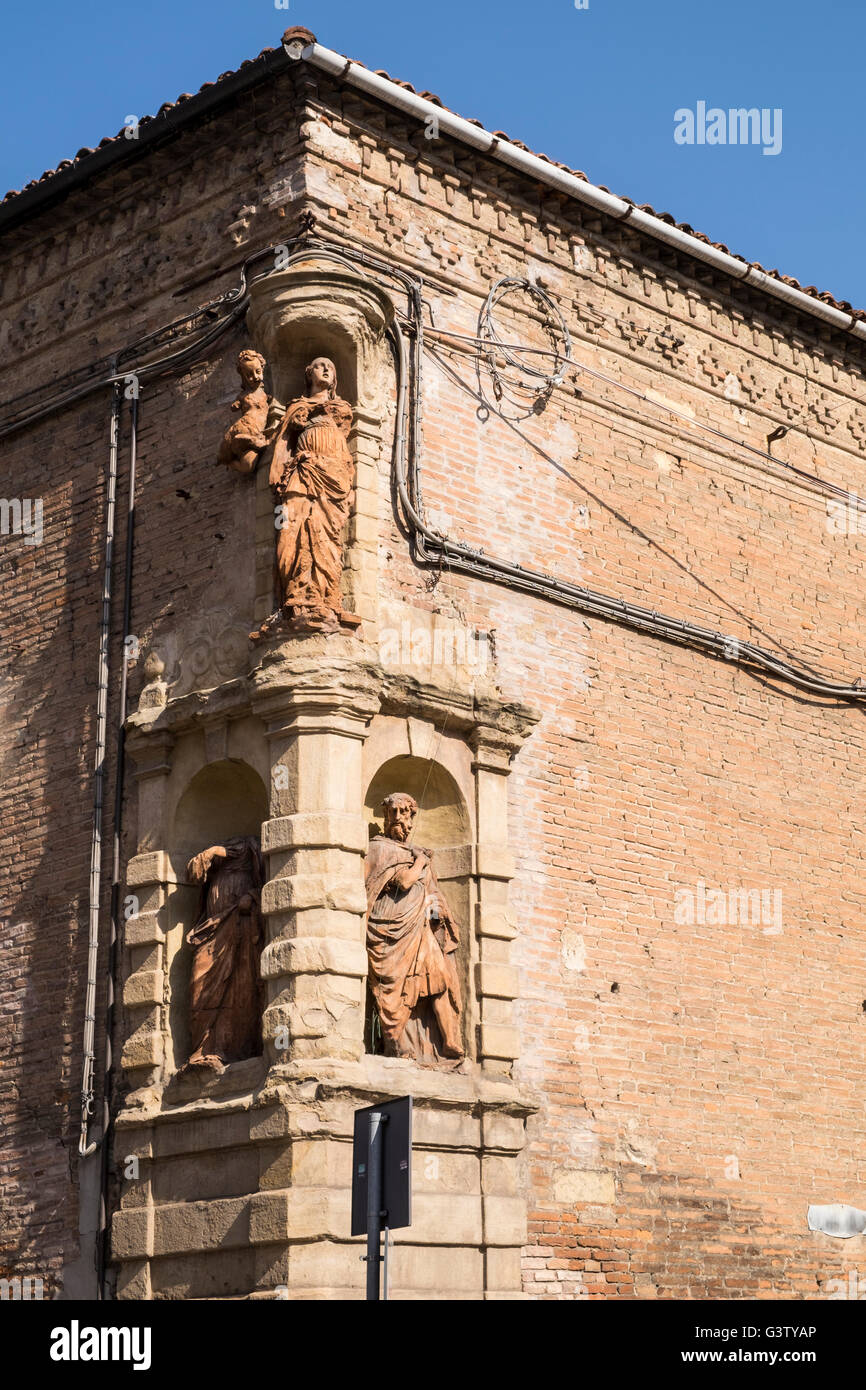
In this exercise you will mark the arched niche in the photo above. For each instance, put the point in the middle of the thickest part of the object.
(318, 305)
(442, 825)
(443, 818)
(223, 799)
(311, 338)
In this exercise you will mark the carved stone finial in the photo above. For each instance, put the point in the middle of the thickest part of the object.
(154, 691)
(244, 440)
(412, 941)
(296, 38)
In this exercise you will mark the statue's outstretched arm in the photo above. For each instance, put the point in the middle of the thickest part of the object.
(200, 865)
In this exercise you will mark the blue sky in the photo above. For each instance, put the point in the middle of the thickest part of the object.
(596, 88)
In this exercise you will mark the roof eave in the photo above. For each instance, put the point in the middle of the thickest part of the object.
(151, 133)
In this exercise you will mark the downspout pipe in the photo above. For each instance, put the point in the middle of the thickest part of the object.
(345, 70)
(86, 1146)
(103, 1252)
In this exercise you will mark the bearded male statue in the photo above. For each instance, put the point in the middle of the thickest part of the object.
(412, 942)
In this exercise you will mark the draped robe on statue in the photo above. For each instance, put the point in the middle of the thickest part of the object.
(412, 960)
(312, 474)
(225, 988)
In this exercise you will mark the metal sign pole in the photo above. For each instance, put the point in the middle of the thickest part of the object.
(385, 1269)
(374, 1203)
(381, 1182)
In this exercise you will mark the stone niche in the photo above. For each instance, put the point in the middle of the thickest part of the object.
(224, 798)
(241, 1187)
(444, 825)
(320, 307)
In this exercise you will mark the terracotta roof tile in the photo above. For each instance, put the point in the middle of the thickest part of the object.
(114, 139)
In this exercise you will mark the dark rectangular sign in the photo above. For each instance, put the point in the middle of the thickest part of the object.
(396, 1130)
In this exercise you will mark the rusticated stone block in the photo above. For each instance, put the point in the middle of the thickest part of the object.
(133, 1281)
(144, 930)
(446, 1218)
(504, 1220)
(143, 987)
(502, 1270)
(503, 1132)
(495, 861)
(191, 1226)
(494, 922)
(310, 829)
(321, 1163)
(132, 1232)
(313, 956)
(153, 867)
(498, 1041)
(313, 890)
(143, 1049)
(433, 1127)
(497, 980)
(269, 1217)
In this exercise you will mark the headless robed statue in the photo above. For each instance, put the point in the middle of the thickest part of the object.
(225, 992)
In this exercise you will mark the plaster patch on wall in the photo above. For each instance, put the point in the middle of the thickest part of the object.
(573, 950)
(318, 184)
(665, 463)
(634, 1146)
(337, 147)
(579, 1186)
(682, 406)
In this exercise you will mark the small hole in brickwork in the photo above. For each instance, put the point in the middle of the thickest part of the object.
(614, 989)
(182, 492)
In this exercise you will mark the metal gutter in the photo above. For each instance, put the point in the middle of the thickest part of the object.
(301, 44)
(523, 162)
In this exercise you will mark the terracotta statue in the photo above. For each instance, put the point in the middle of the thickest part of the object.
(411, 944)
(225, 988)
(312, 475)
(245, 438)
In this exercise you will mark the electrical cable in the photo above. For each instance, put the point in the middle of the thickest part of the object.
(491, 346)
(430, 547)
(831, 489)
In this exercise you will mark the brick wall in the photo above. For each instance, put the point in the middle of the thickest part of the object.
(697, 1082)
(106, 266)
